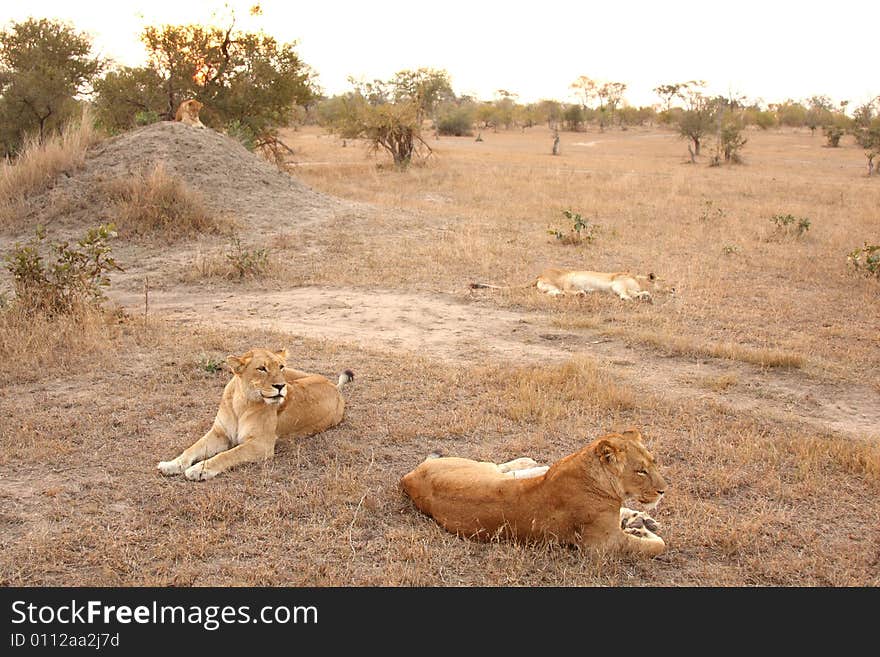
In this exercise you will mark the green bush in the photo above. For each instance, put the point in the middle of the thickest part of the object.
(866, 260)
(581, 229)
(247, 263)
(75, 276)
(789, 224)
(456, 122)
(833, 133)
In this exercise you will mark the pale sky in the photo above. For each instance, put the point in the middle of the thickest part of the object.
(769, 50)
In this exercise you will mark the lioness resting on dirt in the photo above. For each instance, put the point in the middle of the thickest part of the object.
(188, 113)
(577, 500)
(263, 400)
(557, 282)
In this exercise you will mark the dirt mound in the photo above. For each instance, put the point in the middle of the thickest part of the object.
(233, 182)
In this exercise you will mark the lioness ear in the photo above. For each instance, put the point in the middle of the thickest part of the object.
(632, 434)
(651, 276)
(607, 452)
(282, 353)
(237, 364)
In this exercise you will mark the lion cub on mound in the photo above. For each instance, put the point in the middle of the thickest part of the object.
(577, 500)
(188, 113)
(263, 400)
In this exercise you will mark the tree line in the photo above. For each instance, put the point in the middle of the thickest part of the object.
(250, 85)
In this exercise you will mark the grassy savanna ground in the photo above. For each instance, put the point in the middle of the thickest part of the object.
(87, 407)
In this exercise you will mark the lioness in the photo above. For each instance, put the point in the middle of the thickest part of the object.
(188, 113)
(263, 400)
(627, 286)
(577, 500)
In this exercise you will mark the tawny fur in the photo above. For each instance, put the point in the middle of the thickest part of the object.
(577, 501)
(188, 113)
(258, 407)
(560, 282)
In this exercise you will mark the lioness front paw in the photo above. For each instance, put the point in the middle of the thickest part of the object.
(170, 467)
(632, 519)
(199, 472)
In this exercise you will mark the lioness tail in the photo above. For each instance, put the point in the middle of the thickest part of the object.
(346, 377)
(489, 286)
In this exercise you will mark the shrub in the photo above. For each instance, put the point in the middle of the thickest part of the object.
(156, 203)
(581, 230)
(247, 263)
(791, 225)
(731, 142)
(74, 278)
(456, 122)
(866, 260)
(833, 133)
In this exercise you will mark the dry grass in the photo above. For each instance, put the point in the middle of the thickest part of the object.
(156, 204)
(236, 262)
(481, 211)
(545, 393)
(677, 345)
(88, 408)
(53, 341)
(749, 502)
(39, 164)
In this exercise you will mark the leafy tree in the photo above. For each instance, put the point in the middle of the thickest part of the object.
(44, 65)
(456, 118)
(698, 120)
(573, 115)
(551, 112)
(425, 88)
(388, 114)
(667, 93)
(243, 78)
(819, 113)
(612, 92)
(586, 90)
(125, 94)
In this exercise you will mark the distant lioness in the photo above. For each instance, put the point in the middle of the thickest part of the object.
(558, 282)
(263, 400)
(577, 500)
(188, 113)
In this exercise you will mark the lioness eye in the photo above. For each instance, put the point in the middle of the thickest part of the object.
(262, 369)
(281, 367)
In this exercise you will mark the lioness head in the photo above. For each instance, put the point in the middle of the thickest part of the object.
(262, 374)
(655, 284)
(631, 467)
(192, 107)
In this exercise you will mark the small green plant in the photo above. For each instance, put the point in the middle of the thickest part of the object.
(74, 276)
(866, 260)
(581, 230)
(210, 365)
(730, 249)
(789, 224)
(711, 211)
(247, 262)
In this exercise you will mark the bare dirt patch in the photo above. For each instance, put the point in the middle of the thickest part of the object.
(443, 328)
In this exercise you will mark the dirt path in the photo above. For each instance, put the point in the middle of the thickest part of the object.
(444, 328)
